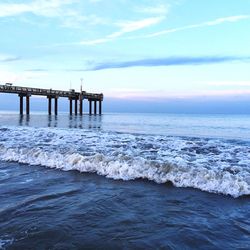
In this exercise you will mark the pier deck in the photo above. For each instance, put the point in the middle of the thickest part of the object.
(72, 95)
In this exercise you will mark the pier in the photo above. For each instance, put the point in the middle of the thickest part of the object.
(75, 98)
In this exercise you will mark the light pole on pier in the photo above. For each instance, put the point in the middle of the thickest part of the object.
(80, 97)
(81, 84)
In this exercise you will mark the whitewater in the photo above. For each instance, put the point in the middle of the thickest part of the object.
(216, 165)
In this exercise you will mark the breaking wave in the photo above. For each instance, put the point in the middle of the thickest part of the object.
(207, 164)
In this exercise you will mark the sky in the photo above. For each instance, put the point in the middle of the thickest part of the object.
(142, 55)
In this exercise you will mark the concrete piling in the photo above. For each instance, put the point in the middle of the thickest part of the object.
(27, 104)
(49, 105)
(56, 105)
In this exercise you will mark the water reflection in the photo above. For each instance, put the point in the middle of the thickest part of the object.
(24, 120)
(65, 121)
(209, 126)
(21, 120)
(52, 121)
(85, 121)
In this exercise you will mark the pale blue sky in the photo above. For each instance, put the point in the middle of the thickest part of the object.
(152, 50)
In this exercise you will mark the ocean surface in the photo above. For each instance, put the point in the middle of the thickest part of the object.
(124, 181)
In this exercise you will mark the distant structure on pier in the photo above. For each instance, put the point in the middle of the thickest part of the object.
(72, 95)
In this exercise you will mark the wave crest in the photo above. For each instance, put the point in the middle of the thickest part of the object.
(230, 181)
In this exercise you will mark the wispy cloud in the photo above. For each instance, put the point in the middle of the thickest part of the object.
(8, 58)
(71, 16)
(168, 61)
(130, 26)
(125, 27)
(215, 22)
(37, 7)
(64, 10)
(36, 70)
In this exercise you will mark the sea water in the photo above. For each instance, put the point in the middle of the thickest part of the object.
(124, 181)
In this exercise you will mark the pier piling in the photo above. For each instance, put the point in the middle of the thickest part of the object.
(100, 107)
(75, 106)
(70, 106)
(21, 104)
(90, 107)
(81, 106)
(27, 104)
(95, 107)
(49, 105)
(56, 105)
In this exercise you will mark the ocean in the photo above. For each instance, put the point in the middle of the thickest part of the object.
(124, 181)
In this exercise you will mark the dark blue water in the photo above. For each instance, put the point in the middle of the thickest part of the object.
(86, 184)
(49, 209)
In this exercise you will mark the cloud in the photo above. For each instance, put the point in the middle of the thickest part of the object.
(215, 22)
(46, 8)
(67, 11)
(7, 58)
(130, 26)
(168, 61)
(36, 70)
(125, 27)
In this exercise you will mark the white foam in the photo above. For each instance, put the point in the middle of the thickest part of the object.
(5, 242)
(209, 165)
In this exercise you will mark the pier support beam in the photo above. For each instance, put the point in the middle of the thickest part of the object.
(70, 106)
(21, 104)
(95, 107)
(100, 107)
(56, 105)
(49, 104)
(81, 106)
(75, 106)
(90, 107)
(27, 104)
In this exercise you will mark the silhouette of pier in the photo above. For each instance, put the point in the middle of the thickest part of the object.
(74, 98)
